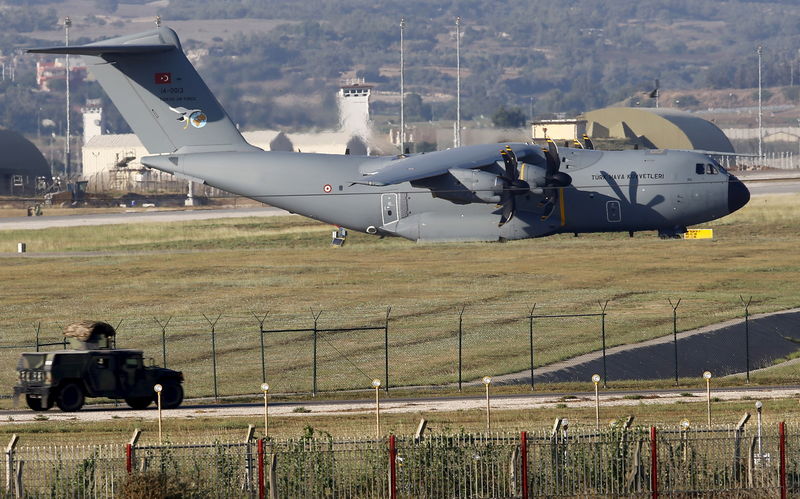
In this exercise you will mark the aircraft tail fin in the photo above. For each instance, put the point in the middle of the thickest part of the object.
(159, 93)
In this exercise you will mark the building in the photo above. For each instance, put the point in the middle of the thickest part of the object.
(47, 71)
(565, 129)
(23, 168)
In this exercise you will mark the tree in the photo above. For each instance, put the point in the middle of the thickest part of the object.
(508, 117)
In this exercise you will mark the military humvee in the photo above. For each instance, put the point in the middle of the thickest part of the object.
(66, 378)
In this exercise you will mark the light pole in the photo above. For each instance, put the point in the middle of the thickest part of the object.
(402, 89)
(67, 154)
(596, 381)
(458, 82)
(707, 377)
(760, 129)
(376, 384)
(158, 389)
(265, 389)
(487, 380)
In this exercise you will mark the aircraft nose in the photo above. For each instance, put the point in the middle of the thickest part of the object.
(738, 194)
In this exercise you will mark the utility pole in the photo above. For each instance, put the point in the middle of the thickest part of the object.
(458, 82)
(402, 90)
(67, 24)
(760, 129)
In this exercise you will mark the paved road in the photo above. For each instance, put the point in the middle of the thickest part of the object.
(719, 348)
(154, 216)
(403, 405)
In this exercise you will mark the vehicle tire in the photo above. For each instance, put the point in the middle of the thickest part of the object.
(36, 403)
(171, 394)
(139, 402)
(70, 397)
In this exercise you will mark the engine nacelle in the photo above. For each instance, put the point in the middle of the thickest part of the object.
(483, 185)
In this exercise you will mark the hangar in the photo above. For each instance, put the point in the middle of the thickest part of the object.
(21, 165)
(656, 128)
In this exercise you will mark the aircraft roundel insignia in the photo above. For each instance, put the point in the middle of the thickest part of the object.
(327, 188)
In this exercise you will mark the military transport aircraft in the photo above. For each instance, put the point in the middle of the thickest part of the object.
(485, 192)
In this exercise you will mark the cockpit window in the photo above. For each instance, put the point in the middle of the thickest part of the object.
(700, 168)
(711, 169)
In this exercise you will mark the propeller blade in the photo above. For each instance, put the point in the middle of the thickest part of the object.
(553, 158)
(510, 169)
(508, 209)
(588, 142)
(513, 156)
(577, 144)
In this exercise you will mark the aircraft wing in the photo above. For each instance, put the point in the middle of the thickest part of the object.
(422, 166)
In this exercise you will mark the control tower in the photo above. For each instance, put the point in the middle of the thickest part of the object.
(354, 109)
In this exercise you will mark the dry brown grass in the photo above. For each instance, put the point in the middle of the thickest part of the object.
(285, 265)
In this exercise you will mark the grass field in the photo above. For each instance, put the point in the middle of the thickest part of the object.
(137, 272)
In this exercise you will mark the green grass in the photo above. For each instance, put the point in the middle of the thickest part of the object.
(284, 265)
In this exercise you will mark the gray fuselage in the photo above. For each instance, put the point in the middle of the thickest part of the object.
(610, 191)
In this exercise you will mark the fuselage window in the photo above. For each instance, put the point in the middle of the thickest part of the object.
(700, 168)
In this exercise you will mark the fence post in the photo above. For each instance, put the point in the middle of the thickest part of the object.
(38, 328)
(10, 464)
(460, 343)
(314, 355)
(18, 486)
(392, 467)
(261, 487)
(530, 340)
(248, 445)
(653, 463)
(523, 454)
(273, 476)
(675, 333)
(163, 338)
(214, 352)
(782, 436)
(128, 458)
(746, 337)
(603, 307)
(386, 349)
(130, 450)
(737, 448)
(261, 321)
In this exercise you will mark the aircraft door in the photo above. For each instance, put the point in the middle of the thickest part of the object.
(613, 211)
(391, 208)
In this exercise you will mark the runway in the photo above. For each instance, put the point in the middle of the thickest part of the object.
(134, 216)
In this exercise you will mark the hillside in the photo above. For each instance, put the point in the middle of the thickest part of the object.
(277, 63)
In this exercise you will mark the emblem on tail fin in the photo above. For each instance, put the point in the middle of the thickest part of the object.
(195, 117)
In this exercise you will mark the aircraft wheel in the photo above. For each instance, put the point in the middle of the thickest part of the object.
(171, 395)
(36, 403)
(139, 402)
(70, 397)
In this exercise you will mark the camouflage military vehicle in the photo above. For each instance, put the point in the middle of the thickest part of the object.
(93, 368)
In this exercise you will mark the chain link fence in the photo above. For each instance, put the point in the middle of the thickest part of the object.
(232, 353)
(617, 461)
